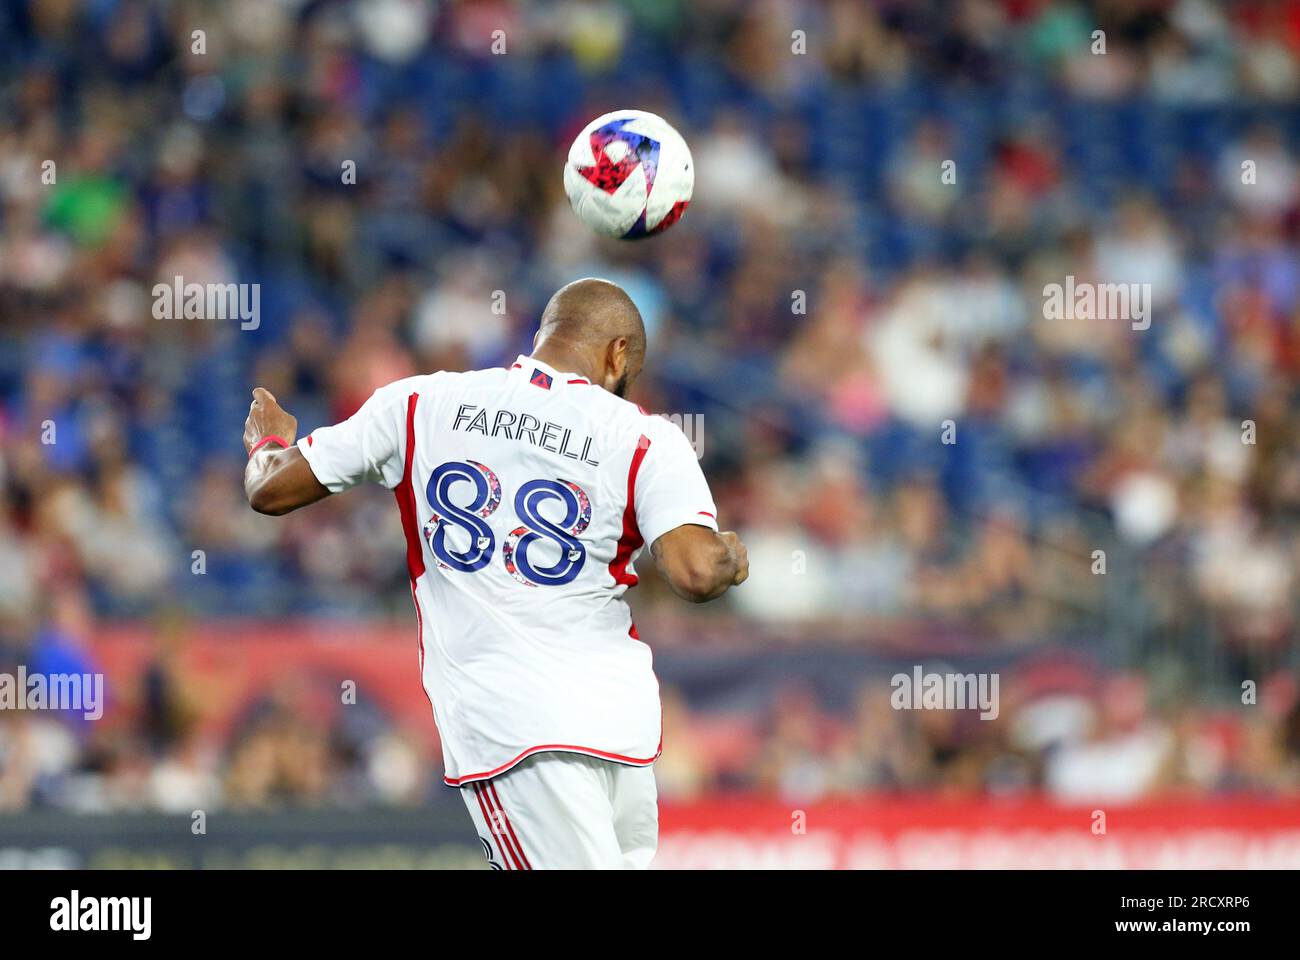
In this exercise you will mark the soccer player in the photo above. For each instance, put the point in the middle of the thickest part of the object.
(526, 495)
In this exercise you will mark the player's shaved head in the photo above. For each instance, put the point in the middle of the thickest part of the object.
(591, 313)
(593, 327)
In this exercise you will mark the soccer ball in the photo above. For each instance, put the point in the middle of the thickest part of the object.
(629, 174)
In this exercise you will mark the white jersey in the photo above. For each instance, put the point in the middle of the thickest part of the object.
(526, 495)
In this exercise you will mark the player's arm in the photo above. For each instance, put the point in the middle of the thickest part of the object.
(676, 515)
(278, 478)
(700, 564)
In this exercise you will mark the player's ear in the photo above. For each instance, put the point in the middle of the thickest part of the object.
(616, 358)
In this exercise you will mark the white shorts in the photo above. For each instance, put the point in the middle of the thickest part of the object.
(566, 811)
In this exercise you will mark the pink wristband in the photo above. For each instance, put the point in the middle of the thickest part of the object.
(269, 438)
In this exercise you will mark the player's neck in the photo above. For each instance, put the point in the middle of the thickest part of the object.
(564, 359)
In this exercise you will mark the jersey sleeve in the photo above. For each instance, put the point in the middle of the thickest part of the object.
(368, 447)
(670, 488)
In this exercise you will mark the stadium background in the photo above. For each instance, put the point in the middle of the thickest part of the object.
(825, 305)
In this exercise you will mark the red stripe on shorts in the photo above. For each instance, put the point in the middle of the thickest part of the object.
(492, 789)
(497, 822)
(489, 822)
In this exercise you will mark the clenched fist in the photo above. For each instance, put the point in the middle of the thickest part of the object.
(266, 418)
(740, 554)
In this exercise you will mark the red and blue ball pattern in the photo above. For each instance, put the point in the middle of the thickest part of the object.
(609, 175)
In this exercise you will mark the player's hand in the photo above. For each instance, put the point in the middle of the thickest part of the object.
(266, 418)
(740, 554)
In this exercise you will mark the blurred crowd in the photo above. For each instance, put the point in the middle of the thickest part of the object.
(851, 312)
(1105, 740)
(1058, 732)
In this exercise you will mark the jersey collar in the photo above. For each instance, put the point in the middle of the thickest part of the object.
(543, 374)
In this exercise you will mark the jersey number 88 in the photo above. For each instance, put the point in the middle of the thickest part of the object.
(529, 498)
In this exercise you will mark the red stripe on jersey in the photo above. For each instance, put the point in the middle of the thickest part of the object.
(705, 513)
(492, 792)
(405, 494)
(631, 540)
(419, 638)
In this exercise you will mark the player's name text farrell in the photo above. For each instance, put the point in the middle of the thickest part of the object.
(548, 435)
